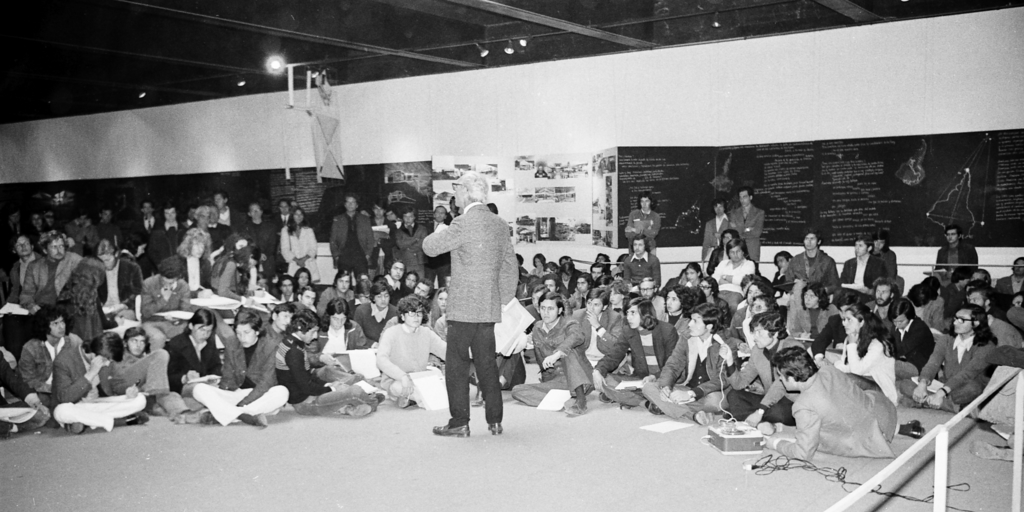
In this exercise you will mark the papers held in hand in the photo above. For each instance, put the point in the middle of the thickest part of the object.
(363, 362)
(207, 379)
(630, 384)
(509, 337)
(933, 386)
(13, 309)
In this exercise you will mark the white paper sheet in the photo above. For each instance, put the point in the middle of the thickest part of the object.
(217, 302)
(666, 427)
(554, 400)
(430, 393)
(205, 380)
(630, 384)
(176, 315)
(13, 309)
(364, 362)
(124, 326)
(16, 414)
(265, 299)
(509, 337)
(369, 388)
(934, 386)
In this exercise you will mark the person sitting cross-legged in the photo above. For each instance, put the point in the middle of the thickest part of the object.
(23, 397)
(249, 389)
(309, 394)
(601, 323)
(51, 337)
(134, 364)
(962, 360)
(406, 348)
(77, 390)
(692, 383)
(767, 404)
(833, 414)
(194, 356)
(650, 342)
(561, 348)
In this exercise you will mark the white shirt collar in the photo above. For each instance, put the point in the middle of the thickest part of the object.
(470, 205)
(638, 258)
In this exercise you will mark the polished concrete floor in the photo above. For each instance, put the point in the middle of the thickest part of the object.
(545, 461)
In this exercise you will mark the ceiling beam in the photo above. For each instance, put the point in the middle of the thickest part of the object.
(158, 58)
(118, 85)
(548, 21)
(850, 10)
(291, 34)
(441, 9)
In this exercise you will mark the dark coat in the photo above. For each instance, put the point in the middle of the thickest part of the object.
(184, 359)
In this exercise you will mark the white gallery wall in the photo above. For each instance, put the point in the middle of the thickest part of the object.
(938, 75)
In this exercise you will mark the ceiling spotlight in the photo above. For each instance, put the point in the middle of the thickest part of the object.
(483, 51)
(315, 74)
(275, 64)
(714, 21)
(522, 42)
(142, 95)
(241, 82)
(509, 49)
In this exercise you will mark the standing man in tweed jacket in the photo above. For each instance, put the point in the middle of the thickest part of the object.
(484, 278)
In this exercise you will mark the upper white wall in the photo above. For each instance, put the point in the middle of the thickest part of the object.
(948, 74)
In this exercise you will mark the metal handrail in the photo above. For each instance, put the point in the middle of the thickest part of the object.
(941, 435)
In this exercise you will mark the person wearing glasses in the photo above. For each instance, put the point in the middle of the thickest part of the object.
(962, 360)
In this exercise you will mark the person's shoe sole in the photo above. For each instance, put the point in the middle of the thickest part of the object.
(357, 411)
(74, 428)
(703, 418)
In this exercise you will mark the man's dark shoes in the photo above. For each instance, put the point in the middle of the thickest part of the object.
(912, 429)
(139, 418)
(74, 428)
(495, 429)
(447, 431)
(258, 420)
(653, 409)
(603, 398)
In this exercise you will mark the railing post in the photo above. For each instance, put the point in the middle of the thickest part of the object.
(941, 468)
(1018, 441)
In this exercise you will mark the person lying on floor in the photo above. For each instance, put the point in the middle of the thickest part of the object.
(691, 386)
(833, 414)
(249, 390)
(561, 348)
(757, 395)
(962, 360)
(23, 397)
(78, 394)
(406, 348)
(308, 394)
(649, 341)
(133, 364)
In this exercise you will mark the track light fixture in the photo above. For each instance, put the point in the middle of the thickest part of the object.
(241, 82)
(483, 51)
(142, 95)
(523, 42)
(714, 21)
(509, 49)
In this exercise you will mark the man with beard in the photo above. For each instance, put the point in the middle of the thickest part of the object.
(886, 291)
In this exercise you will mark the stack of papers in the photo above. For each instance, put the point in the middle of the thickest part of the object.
(217, 302)
(431, 393)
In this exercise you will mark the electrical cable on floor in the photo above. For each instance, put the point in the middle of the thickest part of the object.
(768, 464)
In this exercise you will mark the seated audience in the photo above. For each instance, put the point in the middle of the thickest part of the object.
(82, 297)
(194, 252)
(193, 354)
(340, 332)
(1013, 283)
(868, 350)
(374, 315)
(914, 339)
(133, 364)
(286, 289)
(981, 295)
(560, 345)
(438, 308)
(602, 324)
(307, 298)
(82, 234)
(19, 395)
(757, 396)
(618, 292)
(107, 230)
(649, 343)
(45, 277)
(578, 299)
(962, 360)
(539, 264)
(123, 282)
(309, 394)
(955, 294)
(406, 348)
(689, 277)
(236, 273)
(730, 273)
(678, 302)
(17, 329)
(833, 415)
(649, 290)
(77, 390)
(709, 287)
(956, 252)
(248, 390)
(395, 283)
(50, 338)
(834, 333)
(568, 275)
(641, 264)
(341, 288)
(809, 317)
(165, 292)
(928, 306)
(880, 249)
(885, 291)
(721, 253)
(755, 288)
(861, 271)
(554, 285)
(691, 384)
(812, 266)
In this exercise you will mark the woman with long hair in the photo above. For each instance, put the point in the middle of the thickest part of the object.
(809, 316)
(689, 277)
(438, 309)
(709, 289)
(869, 350)
(340, 289)
(236, 276)
(299, 246)
(338, 332)
(194, 251)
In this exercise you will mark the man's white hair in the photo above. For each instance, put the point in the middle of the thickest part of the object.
(476, 187)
